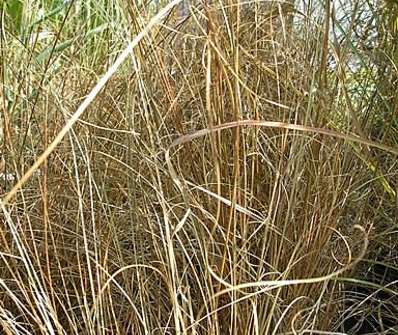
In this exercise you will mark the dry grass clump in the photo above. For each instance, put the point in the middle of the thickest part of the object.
(225, 180)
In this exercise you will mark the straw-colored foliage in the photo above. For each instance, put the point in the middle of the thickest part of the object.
(228, 171)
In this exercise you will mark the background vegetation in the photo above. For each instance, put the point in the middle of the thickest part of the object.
(237, 174)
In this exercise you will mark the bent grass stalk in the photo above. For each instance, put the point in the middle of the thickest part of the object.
(269, 124)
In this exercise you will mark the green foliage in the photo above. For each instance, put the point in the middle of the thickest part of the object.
(14, 11)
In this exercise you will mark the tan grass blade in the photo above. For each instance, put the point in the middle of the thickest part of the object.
(270, 124)
(90, 97)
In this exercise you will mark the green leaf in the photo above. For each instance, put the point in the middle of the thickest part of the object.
(49, 15)
(51, 50)
(97, 30)
(62, 46)
(14, 10)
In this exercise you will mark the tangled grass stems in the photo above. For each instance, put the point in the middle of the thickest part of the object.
(213, 180)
